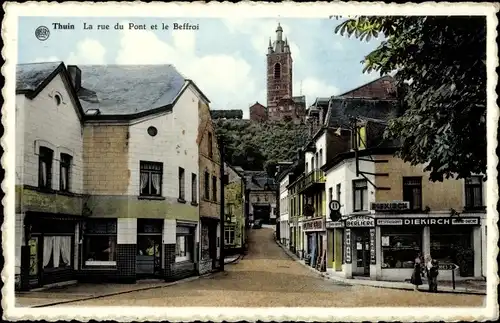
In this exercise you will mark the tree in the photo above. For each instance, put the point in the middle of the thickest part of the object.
(442, 60)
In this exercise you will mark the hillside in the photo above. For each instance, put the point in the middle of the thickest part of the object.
(254, 146)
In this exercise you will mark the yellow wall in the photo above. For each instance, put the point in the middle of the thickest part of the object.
(439, 196)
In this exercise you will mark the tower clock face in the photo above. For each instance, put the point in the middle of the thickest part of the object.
(278, 58)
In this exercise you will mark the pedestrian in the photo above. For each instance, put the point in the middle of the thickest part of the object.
(416, 277)
(433, 274)
(427, 267)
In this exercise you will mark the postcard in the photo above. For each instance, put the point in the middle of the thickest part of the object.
(250, 161)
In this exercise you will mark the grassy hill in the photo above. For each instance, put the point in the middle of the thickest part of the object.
(254, 146)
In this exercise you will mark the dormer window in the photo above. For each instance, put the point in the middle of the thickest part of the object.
(58, 99)
(93, 112)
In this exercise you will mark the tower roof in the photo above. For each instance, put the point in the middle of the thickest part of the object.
(279, 27)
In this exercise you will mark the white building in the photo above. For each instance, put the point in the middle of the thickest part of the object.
(284, 219)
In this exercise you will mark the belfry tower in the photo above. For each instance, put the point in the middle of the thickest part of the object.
(279, 73)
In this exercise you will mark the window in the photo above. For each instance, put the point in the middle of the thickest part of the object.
(338, 192)
(277, 70)
(312, 164)
(45, 167)
(474, 192)
(453, 245)
(229, 235)
(182, 188)
(320, 160)
(360, 188)
(207, 186)
(99, 242)
(330, 194)
(151, 178)
(194, 188)
(205, 243)
(184, 244)
(412, 192)
(58, 99)
(400, 246)
(210, 145)
(64, 177)
(317, 161)
(214, 188)
(56, 251)
(307, 167)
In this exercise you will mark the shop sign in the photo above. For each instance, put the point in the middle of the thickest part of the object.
(347, 246)
(372, 247)
(314, 225)
(429, 221)
(360, 222)
(390, 206)
(334, 224)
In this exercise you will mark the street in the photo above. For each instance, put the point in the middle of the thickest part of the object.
(267, 277)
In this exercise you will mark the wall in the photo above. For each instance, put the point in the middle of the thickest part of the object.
(344, 173)
(208, 207)
(258, 113)
(439, 196)
(233, 195)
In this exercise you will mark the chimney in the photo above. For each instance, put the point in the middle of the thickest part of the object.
(76, 76)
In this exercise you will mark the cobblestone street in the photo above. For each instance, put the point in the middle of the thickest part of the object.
(268, 277)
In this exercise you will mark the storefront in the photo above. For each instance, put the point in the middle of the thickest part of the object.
(183, 263)
(359, 246)
(448, 240)
(50, 256)
(335, 247)
(149, 248)
(208, 245)
(315, 233)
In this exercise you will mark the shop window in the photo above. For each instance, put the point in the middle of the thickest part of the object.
(229, 235)
(194, 188)
(360, 188)
(207, 186)
(205, 243)
(45, 167)
(182, 184)
(400, 246)
(453, 245)
(412, 192)
(214, 188)
(56, 251)
(100, 243)
(474, 193)
(64, 178)
(184, 244)
(151, 178)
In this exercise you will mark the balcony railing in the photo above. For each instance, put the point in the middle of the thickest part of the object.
(315, 177)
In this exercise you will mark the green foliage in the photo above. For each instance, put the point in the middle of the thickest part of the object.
(442, 61)
(227, 114)
(259, 146)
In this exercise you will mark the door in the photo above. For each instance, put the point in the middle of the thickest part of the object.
(148, 254)
(363, 253)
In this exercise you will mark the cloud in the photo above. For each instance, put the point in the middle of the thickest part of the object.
(313, 88)
(88, 51)
(46, 59)
(225, 78)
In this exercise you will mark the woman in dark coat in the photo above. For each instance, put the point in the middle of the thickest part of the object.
(416, 277)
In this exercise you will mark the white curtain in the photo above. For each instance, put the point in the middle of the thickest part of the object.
(44, 174)
(144, 180)
(156, 181)
(65, 245)
(57, 251)
(63, 177)
(48, 246)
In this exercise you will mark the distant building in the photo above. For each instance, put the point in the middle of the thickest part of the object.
(281, 104)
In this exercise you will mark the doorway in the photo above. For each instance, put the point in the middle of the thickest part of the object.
(362, 252)
(149, 247)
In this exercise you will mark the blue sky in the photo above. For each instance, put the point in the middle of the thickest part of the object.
(225, 57)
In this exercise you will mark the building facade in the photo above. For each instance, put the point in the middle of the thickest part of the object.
(210, 188)
(97, 199)
(284, 210)
(236, 221)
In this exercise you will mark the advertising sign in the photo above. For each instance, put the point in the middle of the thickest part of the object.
(372, 247)
(334, 224)
(360, 221)
(314, 225)
(390, 206)
(347, 246)
(430, 221)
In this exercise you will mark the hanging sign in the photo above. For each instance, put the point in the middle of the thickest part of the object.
(372, 247)
(347, 246)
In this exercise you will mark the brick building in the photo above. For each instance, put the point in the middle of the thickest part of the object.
(281, 104)
(103, 156)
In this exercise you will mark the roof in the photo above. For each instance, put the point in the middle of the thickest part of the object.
(383, 78)
(29, 77)
(258, 180)
(129, 89)
(299, 99)
(351, 154)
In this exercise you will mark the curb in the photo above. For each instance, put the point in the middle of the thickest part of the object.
(352, 282)
(185, 280)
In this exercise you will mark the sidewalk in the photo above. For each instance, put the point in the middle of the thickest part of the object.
(461, 287)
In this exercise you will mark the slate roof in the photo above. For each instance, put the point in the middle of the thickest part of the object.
(257, 180)
(129, 89)
(30, 76)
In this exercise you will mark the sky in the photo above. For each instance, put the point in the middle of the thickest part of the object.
(226, 58)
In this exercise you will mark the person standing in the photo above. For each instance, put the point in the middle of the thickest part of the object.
(416, 278)
(433, 273)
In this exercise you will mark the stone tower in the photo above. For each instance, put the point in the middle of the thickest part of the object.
(279, 74)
